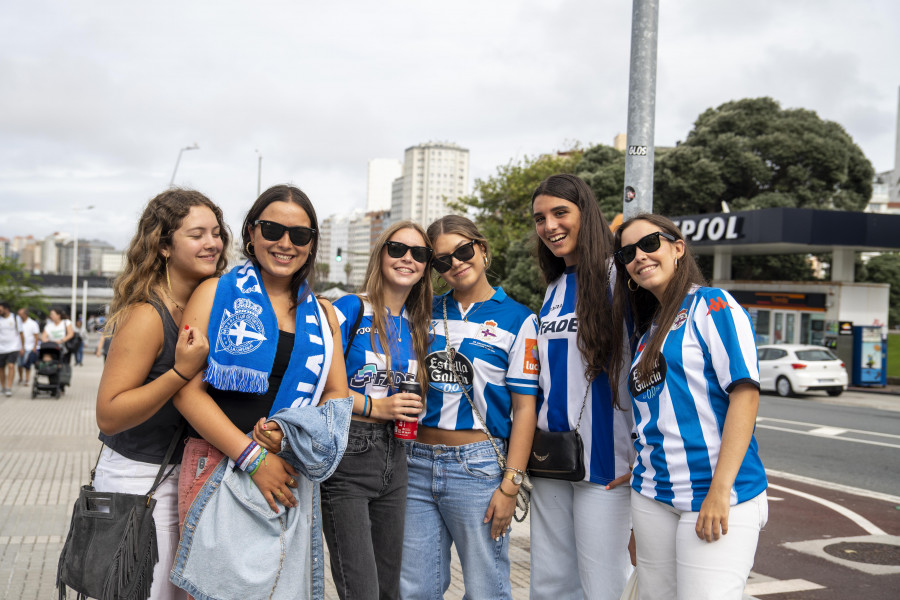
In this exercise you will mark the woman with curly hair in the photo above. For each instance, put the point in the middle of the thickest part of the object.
(178, 243)
(385, 333)
(580, 529)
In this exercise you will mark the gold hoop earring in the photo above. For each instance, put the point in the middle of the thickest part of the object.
(168, 281)
(629, 282)
(248, 250)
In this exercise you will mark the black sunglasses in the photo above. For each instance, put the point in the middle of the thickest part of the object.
(272, 231)
(649, 243)
(420, 254)
(442, 264)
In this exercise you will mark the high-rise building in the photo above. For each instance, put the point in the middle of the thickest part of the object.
(382, 173)
(433, 175)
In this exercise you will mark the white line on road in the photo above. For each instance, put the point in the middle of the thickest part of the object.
(819, 426)
(838, 438)
(838, 487)
(860, 520)
(828, 431)
(763, 588)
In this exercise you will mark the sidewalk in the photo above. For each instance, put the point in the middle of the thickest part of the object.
(48, 448)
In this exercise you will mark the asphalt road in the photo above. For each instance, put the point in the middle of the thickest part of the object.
(834, 498)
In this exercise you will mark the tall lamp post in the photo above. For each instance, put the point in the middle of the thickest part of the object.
(178, 160)
(74, 314)
(258, 174)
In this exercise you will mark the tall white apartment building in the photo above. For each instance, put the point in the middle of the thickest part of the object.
(433, 174)
(382, 173)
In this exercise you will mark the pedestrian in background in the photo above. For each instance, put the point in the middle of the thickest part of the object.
(58, 329)
(10, 348)
(385, 335)
(29, 332)
(580, 530)
(178, 243)
(698, 497)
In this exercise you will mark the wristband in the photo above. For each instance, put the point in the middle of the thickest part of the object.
(371, 402)
(365, 405)
(179, 374)
(506, 494)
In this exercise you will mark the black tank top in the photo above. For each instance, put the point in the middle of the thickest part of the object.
(245, 409)
(149, 441)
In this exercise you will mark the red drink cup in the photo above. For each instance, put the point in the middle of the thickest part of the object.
(406, 430)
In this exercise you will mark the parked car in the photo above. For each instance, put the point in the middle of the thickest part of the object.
(795, 368)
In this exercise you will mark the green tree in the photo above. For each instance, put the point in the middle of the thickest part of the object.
(884, 268)
(753, 154)
(603, 169)
(19, 287)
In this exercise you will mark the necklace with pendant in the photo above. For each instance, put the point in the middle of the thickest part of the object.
(172, 300)
(471, 312)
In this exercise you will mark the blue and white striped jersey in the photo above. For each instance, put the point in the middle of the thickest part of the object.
(366, 369)
(605, 431)
(679, 414)
(494, 356)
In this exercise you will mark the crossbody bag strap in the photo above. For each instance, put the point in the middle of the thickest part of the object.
(501, 460)
(159, 475)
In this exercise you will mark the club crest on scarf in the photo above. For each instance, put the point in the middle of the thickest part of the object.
(241, 332)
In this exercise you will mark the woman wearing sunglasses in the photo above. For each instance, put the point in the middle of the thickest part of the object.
(698, 496)
(385, 333)
(458, 493)
(580, 529)
(271, 348)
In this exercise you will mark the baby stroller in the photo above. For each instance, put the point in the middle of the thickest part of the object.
(52, 375)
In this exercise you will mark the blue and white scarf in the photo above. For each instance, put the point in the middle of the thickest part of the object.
(243, 339)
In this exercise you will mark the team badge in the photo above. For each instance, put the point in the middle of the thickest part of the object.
(241, 332)
(487, 331)
(680, 318)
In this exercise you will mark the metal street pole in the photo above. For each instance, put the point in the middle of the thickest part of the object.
(259, 175)
(75, 263)
(178, 160)
(638, 193)
(84, 287)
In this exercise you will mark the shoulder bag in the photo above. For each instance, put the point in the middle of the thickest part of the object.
(559, 454)
(523, 497)
(111, 549)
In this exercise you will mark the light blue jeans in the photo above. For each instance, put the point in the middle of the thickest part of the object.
(450, 488)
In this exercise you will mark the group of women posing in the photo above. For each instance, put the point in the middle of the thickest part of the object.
(251, 360)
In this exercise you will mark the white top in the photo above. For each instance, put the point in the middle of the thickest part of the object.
(9, 335)
(29, 329)
(56, 332)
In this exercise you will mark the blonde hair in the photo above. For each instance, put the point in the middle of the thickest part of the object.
(144, 266)
(417, 304)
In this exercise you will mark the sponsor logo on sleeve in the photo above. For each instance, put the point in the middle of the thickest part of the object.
(532, 365)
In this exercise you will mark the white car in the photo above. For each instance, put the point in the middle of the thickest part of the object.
(795, 368)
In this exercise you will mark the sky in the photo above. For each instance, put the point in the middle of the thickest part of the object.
(99, 96)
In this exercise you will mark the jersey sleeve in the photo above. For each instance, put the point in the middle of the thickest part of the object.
(726, 330)
(524, 368)
(347, 308)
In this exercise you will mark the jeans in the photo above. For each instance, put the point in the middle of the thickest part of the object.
(672, 562)
(363, 507)
(450, 488)
(579, 540)
(197, 464)
(115, 473)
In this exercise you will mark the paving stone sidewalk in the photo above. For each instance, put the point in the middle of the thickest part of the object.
(48, 447)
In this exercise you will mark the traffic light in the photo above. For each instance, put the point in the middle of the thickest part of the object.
(338, 258)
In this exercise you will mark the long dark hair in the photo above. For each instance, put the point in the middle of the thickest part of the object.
(643, 305)
(285, 193)
(594, 246)
(418, 302)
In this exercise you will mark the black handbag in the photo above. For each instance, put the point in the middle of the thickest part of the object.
(558, 454)
(110, 551)
(73, 343)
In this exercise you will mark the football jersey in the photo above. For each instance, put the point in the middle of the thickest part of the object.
(494, 355)
(605, 431)
(680, 410)
(367, 372)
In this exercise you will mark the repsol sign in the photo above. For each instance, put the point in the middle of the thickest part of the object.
(711, 229)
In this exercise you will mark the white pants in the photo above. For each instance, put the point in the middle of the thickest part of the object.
(579, 540)
(115, 473)
(672, 562)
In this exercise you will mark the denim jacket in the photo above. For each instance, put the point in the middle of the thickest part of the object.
(234, 546)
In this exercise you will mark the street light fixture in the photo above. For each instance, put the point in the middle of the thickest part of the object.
(178, 160)
(74, 314)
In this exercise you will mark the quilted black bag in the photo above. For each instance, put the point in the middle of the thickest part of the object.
(110, 551)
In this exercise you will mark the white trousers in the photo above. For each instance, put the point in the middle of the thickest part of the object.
(672, 562)
(579, 540)
(115, 473)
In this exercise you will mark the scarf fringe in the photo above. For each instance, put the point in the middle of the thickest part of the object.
(235, 378)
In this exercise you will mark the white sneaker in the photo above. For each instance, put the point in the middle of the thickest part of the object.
(8, 392)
